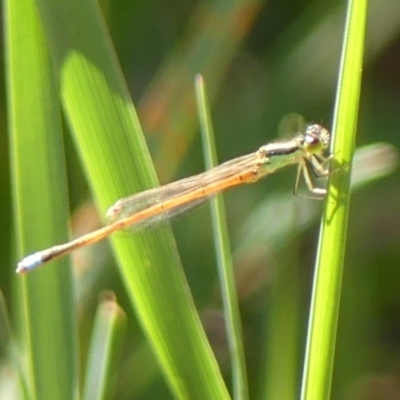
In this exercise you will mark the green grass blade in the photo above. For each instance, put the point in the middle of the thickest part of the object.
(327, 285)
(109, 139)
(108, 334)
(49, 335)
(224, 258)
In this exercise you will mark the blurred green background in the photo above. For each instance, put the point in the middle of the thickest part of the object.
(260, 60)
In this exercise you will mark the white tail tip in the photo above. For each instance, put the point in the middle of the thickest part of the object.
(29, 263)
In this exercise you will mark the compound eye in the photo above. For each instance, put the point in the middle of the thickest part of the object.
(313, 142)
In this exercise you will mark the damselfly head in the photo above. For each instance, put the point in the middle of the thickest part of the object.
(316, 138)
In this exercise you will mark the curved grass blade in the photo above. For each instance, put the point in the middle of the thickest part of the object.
(110, 142)
(108, 334)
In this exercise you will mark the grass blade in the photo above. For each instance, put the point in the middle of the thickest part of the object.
(110, 142)
(108, 334)
(47, 314)
(327, 284)
(224, 258)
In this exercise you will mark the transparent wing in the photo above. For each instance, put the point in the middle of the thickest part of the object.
(177, 197)
(291, 124)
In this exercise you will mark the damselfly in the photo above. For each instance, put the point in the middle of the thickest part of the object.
(152, 206)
